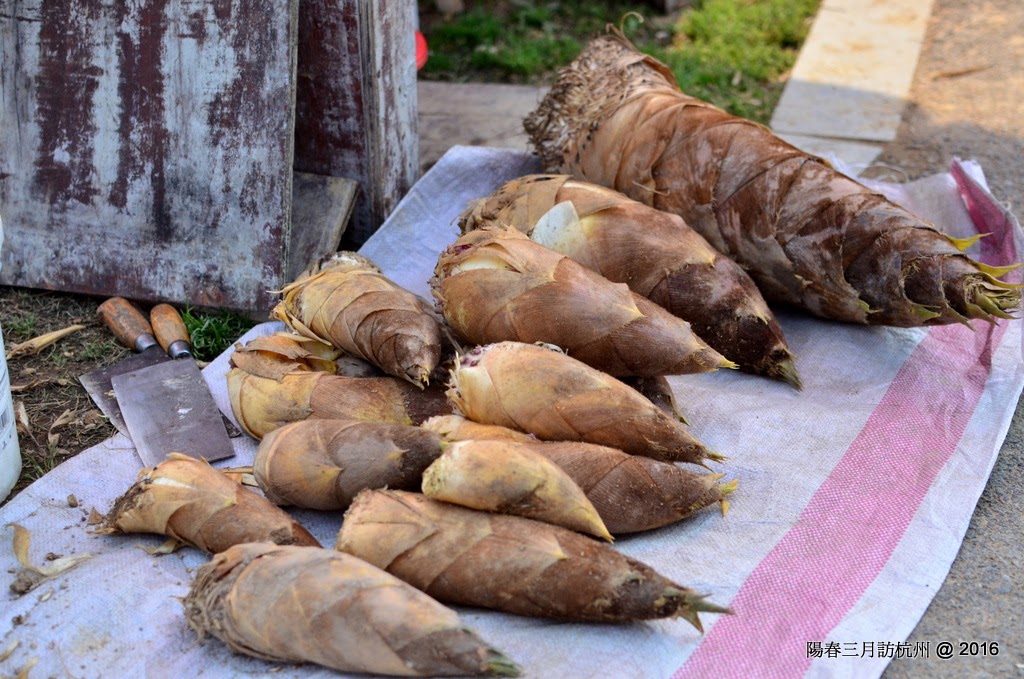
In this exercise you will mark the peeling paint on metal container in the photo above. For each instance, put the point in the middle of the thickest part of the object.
(146, 147)
(356, 103)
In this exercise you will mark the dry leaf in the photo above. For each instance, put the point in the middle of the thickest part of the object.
(93, 418)
(95, 518)
(65, 418)
(21, 420)
(6, 653)
(31, 576)
(242, 475)
(37, 344)
(28, 386)
(169, 547)
(23, 672)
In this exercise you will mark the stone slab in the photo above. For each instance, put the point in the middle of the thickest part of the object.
(855, 70)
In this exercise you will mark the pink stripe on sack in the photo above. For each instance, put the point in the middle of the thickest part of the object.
(812, 578)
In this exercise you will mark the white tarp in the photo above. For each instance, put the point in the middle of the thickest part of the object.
(854, 495)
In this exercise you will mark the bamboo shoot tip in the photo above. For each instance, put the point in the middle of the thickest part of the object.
(699, 603)
(500, 666)
(786, 371)
(728, 486)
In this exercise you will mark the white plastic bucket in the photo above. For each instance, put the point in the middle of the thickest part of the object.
(10, 452)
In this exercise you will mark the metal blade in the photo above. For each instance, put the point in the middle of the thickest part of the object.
(97, 383)
(169, 409)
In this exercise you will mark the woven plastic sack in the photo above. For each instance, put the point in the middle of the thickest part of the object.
(854, 494)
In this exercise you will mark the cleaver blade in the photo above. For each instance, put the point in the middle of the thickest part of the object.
(168, 408)
(132, 329)
(97, 383)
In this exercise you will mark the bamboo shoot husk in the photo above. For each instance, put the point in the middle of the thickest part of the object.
(350, 304)
(281, 353)
(807, 234)
(508, 563)
(554, 397)
(511, 478)
(196, 504)
(655, 253)
(496, 284)
(317, 605)
(323, 464)
(631, 493)
(262, 404)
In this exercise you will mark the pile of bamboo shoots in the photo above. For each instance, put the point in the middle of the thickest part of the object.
(808, 235)
(487, 452)
(511, 479)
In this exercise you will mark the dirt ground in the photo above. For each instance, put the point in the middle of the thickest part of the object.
(56, 417)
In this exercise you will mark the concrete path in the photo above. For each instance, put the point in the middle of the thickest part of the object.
(472, 114)
(848, 88)
(954, 87)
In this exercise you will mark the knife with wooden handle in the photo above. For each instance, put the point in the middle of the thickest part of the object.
(170, 331)
(127, 323)
(130, 327)
(167, 407)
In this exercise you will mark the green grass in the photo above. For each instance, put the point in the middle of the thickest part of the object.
(23, 325)
(34, 467)
(519, 42)
(733, 53)
(95, 351)
(212, 333)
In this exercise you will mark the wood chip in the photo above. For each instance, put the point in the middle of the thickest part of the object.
(961, 71)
